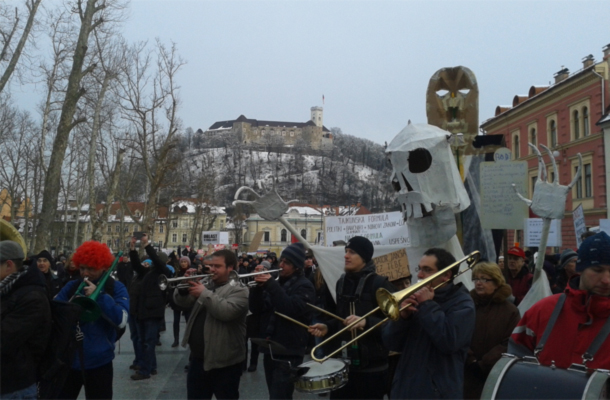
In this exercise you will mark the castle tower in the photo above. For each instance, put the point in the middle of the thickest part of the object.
(317, 115)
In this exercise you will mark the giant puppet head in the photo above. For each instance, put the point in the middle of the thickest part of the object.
(428, 184)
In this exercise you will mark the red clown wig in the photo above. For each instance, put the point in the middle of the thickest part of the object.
(94, 255)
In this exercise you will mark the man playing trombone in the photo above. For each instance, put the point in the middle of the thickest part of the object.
(215, 331)
(433, 334)
(356, 296)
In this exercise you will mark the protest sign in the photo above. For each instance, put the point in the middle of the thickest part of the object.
(256, 241)
(578, 216)
(533, 233)
(394, 265)
(380, 229)
(214, 237)
(604, 225)
(501, 208)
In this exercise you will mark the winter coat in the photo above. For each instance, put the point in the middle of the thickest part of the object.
(496, 318)
(100, 335)
(370, 354)
(579, 322)
(53, 283)
(149, 299)
(434, 343)
(26, 326)
(271, 297)
(225, 324)
(520, 284)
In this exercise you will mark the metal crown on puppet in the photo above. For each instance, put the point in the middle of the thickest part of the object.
(428, 185)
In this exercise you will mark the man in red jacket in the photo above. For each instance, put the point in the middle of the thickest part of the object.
(584, 313)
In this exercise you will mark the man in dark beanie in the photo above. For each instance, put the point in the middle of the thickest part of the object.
(580, 332)
(356, 296)
(289, 296)
(46, 264)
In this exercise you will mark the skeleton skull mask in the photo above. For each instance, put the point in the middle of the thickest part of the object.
(427, 182)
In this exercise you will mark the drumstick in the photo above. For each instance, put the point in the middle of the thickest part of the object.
(292, 320)
(326, 312)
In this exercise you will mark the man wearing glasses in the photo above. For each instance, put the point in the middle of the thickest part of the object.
(433, 334)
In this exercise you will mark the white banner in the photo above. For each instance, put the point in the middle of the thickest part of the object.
(604, 225)
(380, 229)
(214, 237)
(533, 233)
(578, 215)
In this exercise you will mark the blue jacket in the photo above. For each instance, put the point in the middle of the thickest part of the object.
(434, 342)
(100, 335)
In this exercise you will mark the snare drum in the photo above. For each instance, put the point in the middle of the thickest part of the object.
(524, 378)
(323, 377)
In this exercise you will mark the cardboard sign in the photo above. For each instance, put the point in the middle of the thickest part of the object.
(501, 208)
(394, 265)
(533, 233)
(258, 237)
(578, 215)
(214, 237)
(380, 229)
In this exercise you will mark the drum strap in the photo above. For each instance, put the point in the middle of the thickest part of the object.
(597, 342)
(551, 324)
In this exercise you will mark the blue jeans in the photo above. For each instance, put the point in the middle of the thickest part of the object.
(28, 393)
(148, 331)
(137, 346)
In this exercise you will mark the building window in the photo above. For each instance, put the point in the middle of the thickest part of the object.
(174, 224)
(319, 239)
(585, 121)
(553, 131)
(265, 236)
(222, 223)
(109, 242)
(576, 124)
(161, 228)
(533, 183)
(291, 133)
(174, 237)
(69, 229)
(125, 229)
(533, 139)
(283, 133)
(283, 235)
(588, 187)
(109, 229)
(184, 238)
(578, 185)
(516, 146)
(117, 228)
(304, 234)
(88, 228)
(161, 243)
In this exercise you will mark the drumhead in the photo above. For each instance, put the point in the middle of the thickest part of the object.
(328, 367)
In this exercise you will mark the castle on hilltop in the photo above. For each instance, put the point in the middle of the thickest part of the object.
(257, 132)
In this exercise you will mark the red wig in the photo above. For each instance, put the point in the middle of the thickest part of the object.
(94, 255)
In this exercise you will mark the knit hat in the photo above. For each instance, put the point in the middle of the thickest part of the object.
(566, 256)
(93, 254)
(163, 257)
(185, 258)
(516, 251)
(148, 261)
(595, 250)
(10, 250)
(362, 246)
(48, 256)
(266, 264)
(295, 253)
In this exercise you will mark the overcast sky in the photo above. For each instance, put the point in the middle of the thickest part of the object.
(371, 60)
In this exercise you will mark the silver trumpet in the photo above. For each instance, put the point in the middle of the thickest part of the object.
(182, 282)
(235, 278)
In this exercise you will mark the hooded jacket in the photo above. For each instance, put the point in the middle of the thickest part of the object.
(520, 284)
(434, 342)
(26, 326)
(579, 322)
(496, 318)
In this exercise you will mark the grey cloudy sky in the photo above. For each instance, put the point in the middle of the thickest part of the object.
(371, 60)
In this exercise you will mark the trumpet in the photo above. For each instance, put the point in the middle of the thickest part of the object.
(235, 278)
(165, 282)
(389, 303)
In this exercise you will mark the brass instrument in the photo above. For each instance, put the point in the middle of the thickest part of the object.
(9, 232)
(165, 282)
(389, 303)
(235, 278)
(91, 310)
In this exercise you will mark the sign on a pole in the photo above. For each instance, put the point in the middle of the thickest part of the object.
(578, 215)
(533, 233)
(501, 208)
(394, 265)
(380, 229)
(214, 237)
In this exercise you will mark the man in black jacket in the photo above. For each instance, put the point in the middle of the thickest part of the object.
(289, 296)
(26, 323)
(356, 296)
(147, 305)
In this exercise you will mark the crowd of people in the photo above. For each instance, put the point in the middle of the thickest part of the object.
(443, 345)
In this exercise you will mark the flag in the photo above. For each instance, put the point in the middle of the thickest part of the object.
(293, 239)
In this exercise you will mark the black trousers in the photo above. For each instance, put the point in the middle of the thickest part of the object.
(278, 375)
(98, 383)
(222, 382)
(362, 385)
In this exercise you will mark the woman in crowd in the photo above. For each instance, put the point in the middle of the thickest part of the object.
(566, 270)
(495, 321)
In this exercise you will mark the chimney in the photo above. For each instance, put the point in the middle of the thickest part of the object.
(588, 61)
(606, 50)
(562, 74)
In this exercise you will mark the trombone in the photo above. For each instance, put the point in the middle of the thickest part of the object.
(389, 303)
(235, 278)
(165, 282)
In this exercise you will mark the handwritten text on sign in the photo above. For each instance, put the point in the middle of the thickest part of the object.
(380, 229)
(394, 265)
(533, 233)
(500, 206)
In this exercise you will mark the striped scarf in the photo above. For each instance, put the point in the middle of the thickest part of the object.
(7, 283)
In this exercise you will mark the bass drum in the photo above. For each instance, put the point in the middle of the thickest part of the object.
(323, 377)
(516, 378)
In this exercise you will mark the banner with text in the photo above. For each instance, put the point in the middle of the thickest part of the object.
(533, 233)
(578, 215)
(214, 237)
(380, 229)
